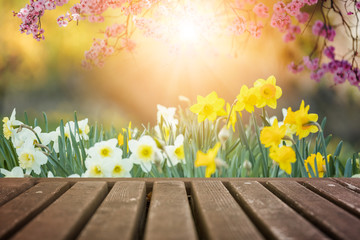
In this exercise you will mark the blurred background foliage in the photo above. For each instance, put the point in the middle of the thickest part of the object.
(47, 77)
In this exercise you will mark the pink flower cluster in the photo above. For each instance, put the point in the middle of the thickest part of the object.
(341, 70)
(114, 30)
(281, 18)
(101, 48)
(63, 20)
(320, 29)
(92, 10)
(97, 54)
(239, 26)
(255, 29)
(31, 14)
(261, 10)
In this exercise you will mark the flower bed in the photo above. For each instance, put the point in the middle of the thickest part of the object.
(204, 140)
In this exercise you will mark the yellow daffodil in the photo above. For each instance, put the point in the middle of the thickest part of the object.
(231, 117)
(247, 99)
(290, 121)
(320, 164)
(268, 92)
(284, 156)
(209, 107)
(208, 159)
(121, 136)
(272, 136)
(301, 121)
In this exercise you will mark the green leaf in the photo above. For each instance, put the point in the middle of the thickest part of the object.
(348, 168)
(46, 122)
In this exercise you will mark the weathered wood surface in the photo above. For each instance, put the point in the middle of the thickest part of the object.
(332, 219)
(28, 204)
(218, 214)
(10, 188)
(158, 208)
(271, 214)
(121, 212)
(169, 214)
(67, 215)
(350, 183)
(334, 192)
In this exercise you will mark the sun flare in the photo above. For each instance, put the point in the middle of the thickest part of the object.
(188, 32)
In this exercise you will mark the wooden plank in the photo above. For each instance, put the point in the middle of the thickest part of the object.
(12, 187)
(24, 207)
(150, 181)
(218, 215)
(351, 183)
(120, 214)
(330, 218)
(336, 193)
(275, 219)
(169, 215)
(67, 215)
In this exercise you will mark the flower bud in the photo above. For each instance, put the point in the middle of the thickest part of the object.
(220, 163)
(247, 165)
(224, 134)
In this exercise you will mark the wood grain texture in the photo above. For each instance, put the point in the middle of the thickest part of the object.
(218, 214)
(120, 214)
(150, 181)
(24, 207)
(332, 219)
(12, 187)
(351, 183)
(273, 216)
(169, 215)
(67, 215)
(336, 193)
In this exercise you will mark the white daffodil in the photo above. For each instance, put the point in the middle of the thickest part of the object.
(164, 133)
(105, 150)
(19, 138)
(168, 114)
(9, 124)
(96, 168)
(15, 172)
(119, 167)
(176, 152)
(74, 176)
(54, 137)
(31, 158)
(145, 152)
(84, 129)
(27, 135)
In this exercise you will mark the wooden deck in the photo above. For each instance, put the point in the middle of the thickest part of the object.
(153, 209)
